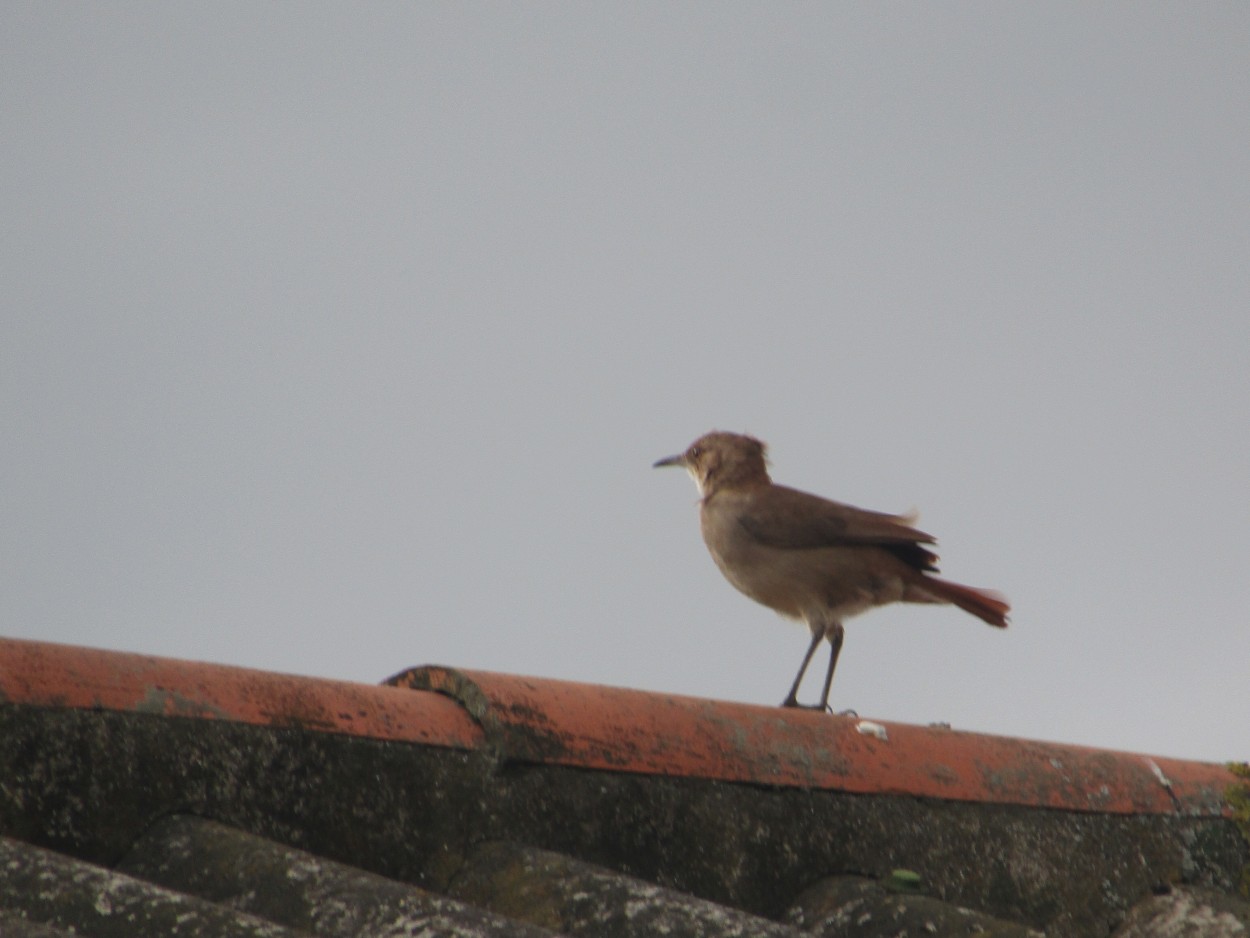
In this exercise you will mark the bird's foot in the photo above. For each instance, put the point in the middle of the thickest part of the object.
(794, 704)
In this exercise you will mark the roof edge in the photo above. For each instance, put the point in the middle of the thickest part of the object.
(536, 720)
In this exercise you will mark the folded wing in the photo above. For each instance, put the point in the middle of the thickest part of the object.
(792, 520)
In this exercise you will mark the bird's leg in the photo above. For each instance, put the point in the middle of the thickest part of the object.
(835, 633)
(792, 698)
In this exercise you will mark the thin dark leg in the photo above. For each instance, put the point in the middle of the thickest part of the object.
(835, 633)
(792, 699)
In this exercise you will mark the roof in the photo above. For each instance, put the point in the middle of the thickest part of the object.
(216, 800)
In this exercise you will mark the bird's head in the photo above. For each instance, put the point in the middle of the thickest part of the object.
(720, 460)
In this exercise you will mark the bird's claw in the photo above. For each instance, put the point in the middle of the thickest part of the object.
(793, 704)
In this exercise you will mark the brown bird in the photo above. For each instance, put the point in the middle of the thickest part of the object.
(810, 558)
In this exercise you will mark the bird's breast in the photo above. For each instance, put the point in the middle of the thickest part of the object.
(759, 571)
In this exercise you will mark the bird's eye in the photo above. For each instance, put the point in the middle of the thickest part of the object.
(694, 452)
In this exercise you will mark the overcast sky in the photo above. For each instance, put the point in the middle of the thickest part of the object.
(340, 338)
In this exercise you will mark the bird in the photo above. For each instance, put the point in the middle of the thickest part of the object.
(810, 558)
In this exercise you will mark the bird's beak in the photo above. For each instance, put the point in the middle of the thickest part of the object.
(678, 460)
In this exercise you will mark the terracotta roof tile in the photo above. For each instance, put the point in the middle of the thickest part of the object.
(473, 803)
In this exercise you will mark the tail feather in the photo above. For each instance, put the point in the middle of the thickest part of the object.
(987, 605)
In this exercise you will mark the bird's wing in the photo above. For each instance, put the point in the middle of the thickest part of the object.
(793, 520)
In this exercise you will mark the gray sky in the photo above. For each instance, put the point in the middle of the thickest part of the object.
(339, 338)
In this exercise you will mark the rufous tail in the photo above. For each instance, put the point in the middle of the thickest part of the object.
(987, 605)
